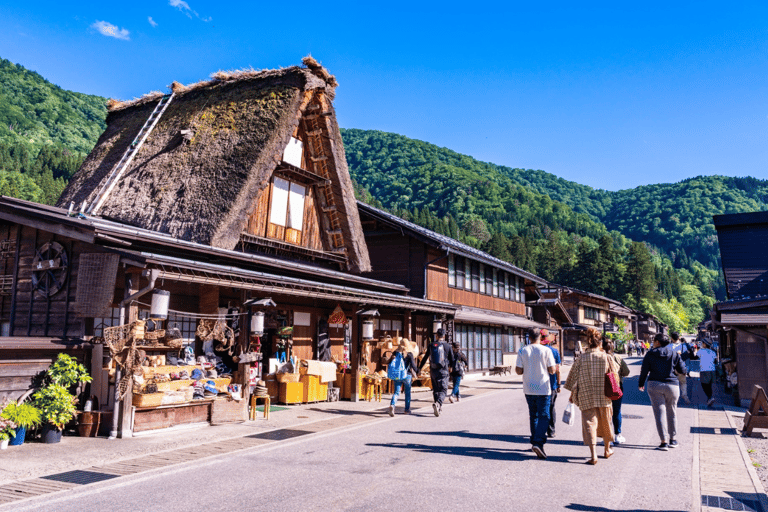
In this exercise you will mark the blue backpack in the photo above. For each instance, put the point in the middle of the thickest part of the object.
(396, 369)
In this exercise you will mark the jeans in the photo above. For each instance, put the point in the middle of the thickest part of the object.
(538, 414)
(664, 399)
(617, 415)
(406, 384)
(456, 382)
(552, 414)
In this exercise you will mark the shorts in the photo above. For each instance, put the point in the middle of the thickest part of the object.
(707, 377)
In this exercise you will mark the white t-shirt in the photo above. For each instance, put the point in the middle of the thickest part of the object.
(534, 359)
(707, 359)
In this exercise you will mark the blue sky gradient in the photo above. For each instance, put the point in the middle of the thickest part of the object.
(608, 95)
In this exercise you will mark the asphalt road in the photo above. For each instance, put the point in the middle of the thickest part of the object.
(475, 456)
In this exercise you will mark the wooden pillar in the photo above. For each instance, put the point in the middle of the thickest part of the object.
(125, 418)
(355, 356)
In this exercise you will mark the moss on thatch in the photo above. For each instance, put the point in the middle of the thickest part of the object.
(201, 188)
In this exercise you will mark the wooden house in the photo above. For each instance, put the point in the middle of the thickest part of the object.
(742, 320)
(586, 310)
(231, 195)
(489, 295)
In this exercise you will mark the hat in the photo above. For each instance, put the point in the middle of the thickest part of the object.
(197, 374)
(544, 334)
(440, 332)
(707, 341)
(210, 387)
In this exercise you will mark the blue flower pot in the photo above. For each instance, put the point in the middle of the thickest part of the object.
(18, 439)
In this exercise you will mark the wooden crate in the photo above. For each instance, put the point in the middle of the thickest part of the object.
(291, 393)
(163, 417)
(273, 388)
(225, 410)
(314, 390)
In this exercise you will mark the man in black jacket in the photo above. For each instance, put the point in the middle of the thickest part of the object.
(441, 360)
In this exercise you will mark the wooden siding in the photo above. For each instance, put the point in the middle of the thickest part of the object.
(751, 363)
(743, 249)
(37, 315)
(437, 289)
(390, 259)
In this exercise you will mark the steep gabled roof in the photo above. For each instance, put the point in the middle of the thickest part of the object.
(445, 242)
(203, 189)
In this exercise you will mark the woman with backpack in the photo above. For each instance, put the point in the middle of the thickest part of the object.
(401, 369)
(460, 364)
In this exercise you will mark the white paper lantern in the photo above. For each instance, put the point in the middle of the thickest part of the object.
(367, 329)
(436, 324)
(257, 323)
(159, 308)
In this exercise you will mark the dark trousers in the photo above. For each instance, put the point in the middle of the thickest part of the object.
(617, 415)
(439, 384)
(552, 414)
(538, 414)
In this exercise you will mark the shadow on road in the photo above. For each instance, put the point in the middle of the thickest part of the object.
(592, 508)
(475, 451)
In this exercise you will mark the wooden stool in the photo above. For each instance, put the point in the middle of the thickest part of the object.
(254, 401)
(372, 389)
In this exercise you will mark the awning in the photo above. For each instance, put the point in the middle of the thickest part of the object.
(744, 318)
(177, 269)
(467, 314)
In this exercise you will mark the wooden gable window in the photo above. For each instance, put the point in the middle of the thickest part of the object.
(286, 211)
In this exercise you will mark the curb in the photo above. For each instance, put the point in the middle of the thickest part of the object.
(758, 485)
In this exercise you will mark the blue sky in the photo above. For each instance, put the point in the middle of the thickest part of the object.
(608, 95)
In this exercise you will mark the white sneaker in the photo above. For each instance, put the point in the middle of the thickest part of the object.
(711, 401)
(391, 410)
(450, 398)
(620, 439)
(436, 408)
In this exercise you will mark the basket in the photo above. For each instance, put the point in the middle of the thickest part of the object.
(147, 399)
(174, 343)
(154, 335)
(286, 377)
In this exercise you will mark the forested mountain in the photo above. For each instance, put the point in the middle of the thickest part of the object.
(45, 133)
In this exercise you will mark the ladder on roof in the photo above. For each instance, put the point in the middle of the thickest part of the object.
(129, 154)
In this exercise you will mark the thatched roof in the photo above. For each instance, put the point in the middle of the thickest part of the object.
(203, 189)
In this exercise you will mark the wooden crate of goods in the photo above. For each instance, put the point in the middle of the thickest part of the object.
(291, 392)
(147, 399)
(273, 387)
(226, 410)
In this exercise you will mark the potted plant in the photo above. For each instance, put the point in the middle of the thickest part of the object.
(24, 415)
(57, 408)
(7, 430)
(67, 372)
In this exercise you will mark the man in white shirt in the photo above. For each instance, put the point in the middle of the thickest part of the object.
(678, 346)
(707, 359)
(536, 362)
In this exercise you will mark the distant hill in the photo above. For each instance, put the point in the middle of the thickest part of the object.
(45, 133)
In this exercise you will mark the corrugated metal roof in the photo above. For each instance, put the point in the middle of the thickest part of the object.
(446, 242)
(494, 317)
(744, 319)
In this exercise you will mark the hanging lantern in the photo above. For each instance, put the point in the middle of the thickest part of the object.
(159, 308)
(368, 329)
(257, 323)
(437, 323)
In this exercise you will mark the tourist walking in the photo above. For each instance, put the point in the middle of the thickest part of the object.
(555, 380)
(535, 362)
(440, 357)
(660, 368)
(682, 378)
(586, 382)
(619, 362)
(707, 360)
(401, 368)
(460, 364)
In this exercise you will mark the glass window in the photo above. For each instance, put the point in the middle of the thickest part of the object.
(467, 274)
(481, 277)
(451, 270)
(475, 277)
(591, 313)
(506, 285)
(495, 282)
(489, 281)
(459, 272)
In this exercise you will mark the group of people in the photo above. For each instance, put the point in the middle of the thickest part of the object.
(445, 362)
(663, 373)
(637, 347)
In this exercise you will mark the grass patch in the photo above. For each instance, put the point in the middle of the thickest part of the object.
(757, 464)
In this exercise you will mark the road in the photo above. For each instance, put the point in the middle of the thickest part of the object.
(475, 456)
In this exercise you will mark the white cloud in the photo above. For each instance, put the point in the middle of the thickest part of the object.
(107, 29)
(181, 4)
(151, 21)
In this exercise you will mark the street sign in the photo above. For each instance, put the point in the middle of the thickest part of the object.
(609, 327)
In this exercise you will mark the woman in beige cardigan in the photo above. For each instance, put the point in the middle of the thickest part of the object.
(586, 381)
